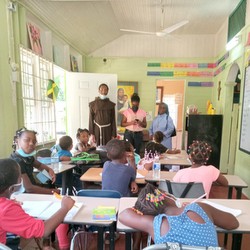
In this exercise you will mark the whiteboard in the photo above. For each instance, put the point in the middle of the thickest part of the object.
(245, 116)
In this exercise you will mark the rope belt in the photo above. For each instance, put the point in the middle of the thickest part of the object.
(100, 128)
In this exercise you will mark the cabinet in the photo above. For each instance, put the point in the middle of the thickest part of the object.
(206, 128)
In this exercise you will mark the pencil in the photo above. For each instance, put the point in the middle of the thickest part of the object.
(59, 197)
(199, 198)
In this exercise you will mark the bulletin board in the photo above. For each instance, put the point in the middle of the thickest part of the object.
(245, 116)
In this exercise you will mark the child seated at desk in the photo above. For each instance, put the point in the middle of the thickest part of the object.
(24, 145)
(164, 217)
(152, 148)
(116, 174)
(12, 216)
(66, 144)
(83, 145)
(199, 153)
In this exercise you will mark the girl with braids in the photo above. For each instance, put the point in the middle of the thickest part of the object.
(24, 145)
(199, 153)
(164, 217)
(12, 217)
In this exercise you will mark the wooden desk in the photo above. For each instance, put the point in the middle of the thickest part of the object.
(94, 175)
(234, 181)
(181, 159)
(243, 218)
(84, 216)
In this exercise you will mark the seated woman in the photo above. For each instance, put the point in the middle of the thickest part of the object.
(152, 148)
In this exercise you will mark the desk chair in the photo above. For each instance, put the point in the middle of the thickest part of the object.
(183, 189)
(43, 152)
(4, 247)
(177, 246)
(80, 235)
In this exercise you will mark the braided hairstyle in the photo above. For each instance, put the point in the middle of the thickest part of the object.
(200, 152)
(145, 206)
(9, 173)
(18, 134)
(80, 130)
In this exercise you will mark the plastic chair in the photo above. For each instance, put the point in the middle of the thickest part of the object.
(177, 246)
(99, 193)
(83, 233)
(183, 189)
(4, 247)
(43, 152)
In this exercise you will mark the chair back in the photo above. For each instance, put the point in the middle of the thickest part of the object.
(99, 193)
(183, 189)
(43, 152)
(177, 246)
(4, 247)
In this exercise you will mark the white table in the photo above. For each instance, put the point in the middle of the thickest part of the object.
(84, 215)
(234, 181)
(181, 159)
(243, 218)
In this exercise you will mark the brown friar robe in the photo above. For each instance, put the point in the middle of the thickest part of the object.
(103, 113)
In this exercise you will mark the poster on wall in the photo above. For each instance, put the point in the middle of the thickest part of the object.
(34, 38)
(124, 93)
(73, 64)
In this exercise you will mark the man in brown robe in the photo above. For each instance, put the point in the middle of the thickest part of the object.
(102, 124)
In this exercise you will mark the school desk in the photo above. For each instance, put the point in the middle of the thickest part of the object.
(234, 181)
(84, 214)
(243, 218)
(66, 169)
(181, 159)
(95, 175)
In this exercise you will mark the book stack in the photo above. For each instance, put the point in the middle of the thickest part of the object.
(104, 213)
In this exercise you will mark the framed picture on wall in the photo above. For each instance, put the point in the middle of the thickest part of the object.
(124, 93)
(34, 38)
(73, 64)
(159, 95)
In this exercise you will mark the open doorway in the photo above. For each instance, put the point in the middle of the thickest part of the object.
(172, 93)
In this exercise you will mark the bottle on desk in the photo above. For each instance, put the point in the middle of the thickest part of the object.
(156, 168)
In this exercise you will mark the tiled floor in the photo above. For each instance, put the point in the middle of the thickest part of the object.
(216, 192)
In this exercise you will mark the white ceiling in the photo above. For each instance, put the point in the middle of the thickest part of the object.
(90, 25)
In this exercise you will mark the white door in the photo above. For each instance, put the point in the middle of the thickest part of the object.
(81, 89)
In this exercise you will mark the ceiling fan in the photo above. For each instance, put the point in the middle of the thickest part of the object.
(162, 32)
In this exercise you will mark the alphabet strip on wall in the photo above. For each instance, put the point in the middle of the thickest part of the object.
(200, 84)
(188, 65)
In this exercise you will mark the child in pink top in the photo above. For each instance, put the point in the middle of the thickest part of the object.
(13, 219)
(199, 172)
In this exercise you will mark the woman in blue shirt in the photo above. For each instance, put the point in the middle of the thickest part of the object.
(164, 123)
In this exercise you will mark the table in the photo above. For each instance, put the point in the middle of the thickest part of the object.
(234, 181)
(84, 215)
(66, 169)
(94, 175)
(243, 218)
(181, 159)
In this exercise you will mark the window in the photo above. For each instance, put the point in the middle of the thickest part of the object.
(38, 109)
(236, 20)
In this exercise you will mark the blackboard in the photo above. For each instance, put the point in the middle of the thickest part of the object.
(245, 115)
(206, 128)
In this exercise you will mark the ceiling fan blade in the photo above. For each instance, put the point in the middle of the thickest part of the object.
(138, 31)
(174, 27)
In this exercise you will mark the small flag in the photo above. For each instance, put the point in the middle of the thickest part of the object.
(52, 90)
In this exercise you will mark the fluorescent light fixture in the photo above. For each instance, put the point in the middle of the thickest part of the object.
(233, 42)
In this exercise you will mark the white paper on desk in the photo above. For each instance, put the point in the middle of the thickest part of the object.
(235, 212)
(54, 207)
(35, 208)
(139, 176)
